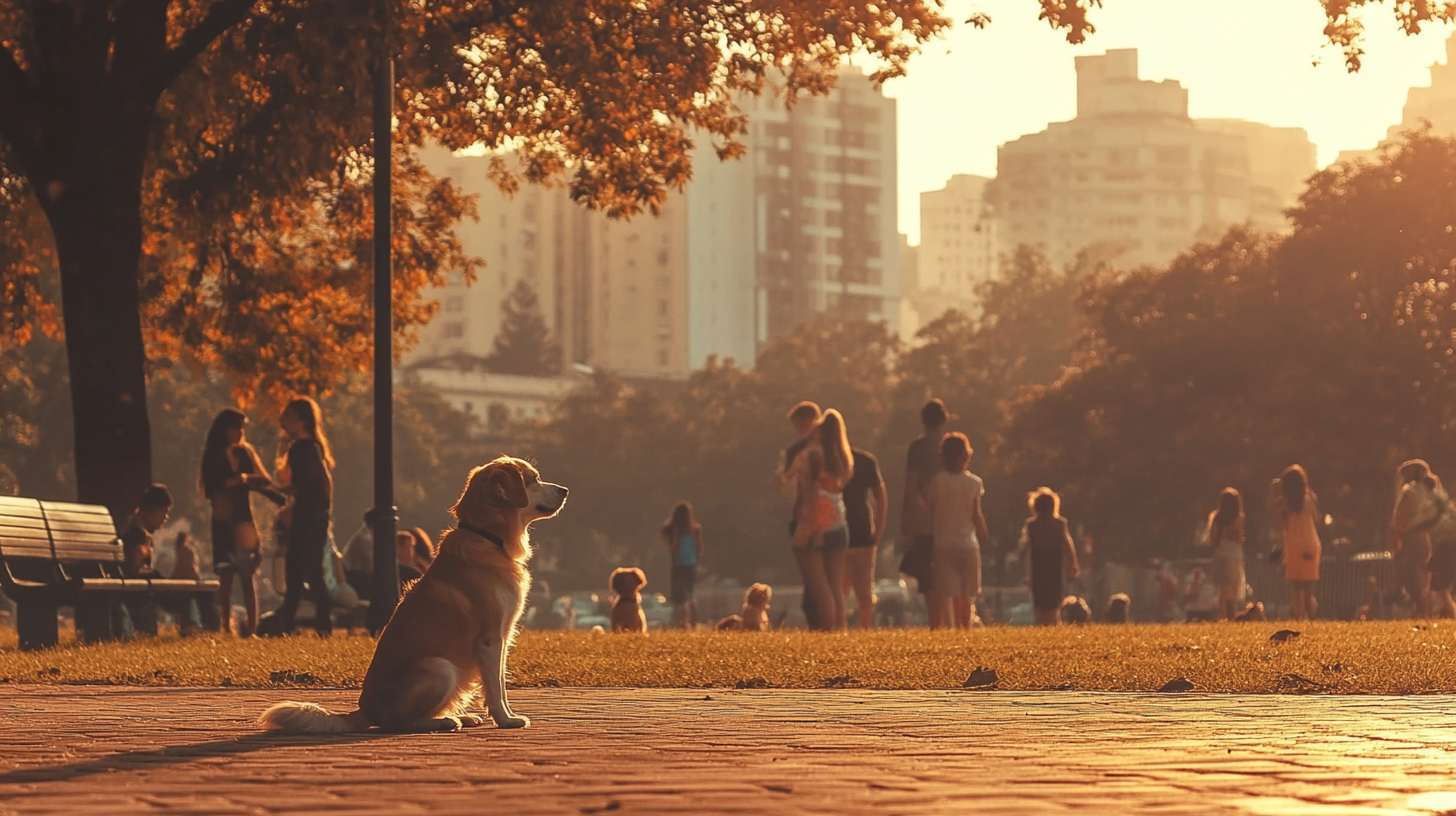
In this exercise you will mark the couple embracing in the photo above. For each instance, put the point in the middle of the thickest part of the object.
(822, 469)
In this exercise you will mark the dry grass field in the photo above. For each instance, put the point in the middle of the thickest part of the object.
(1340, 658)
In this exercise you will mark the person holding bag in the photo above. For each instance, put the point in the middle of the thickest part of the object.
(230, 470)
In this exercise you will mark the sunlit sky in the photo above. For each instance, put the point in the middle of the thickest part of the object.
(1261, 60)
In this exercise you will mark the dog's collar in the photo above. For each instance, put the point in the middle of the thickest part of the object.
(482, 532)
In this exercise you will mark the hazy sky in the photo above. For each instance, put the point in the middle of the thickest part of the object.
(1244, 59)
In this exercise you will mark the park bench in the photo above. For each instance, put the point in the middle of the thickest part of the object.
(55, 554)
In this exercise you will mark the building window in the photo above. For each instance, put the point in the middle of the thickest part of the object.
(453, 330)
(662, 308)
(455, 304)
(662, 357)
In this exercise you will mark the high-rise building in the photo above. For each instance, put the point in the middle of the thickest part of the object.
(957, 247)
(1435, 103)
(803, 225)
(1133, 172)
(824, 197)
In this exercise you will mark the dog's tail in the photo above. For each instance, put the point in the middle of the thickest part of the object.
(308, 718)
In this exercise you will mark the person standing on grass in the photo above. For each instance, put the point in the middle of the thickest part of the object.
(1423, 532)
(1049, 554)
(683, 537)
(230, 469)
(804, 416)
(309, 463)
(866, 505)
(1291, 499)
(960, 530)
(917, 529)
(1226, 538)
(821, 470)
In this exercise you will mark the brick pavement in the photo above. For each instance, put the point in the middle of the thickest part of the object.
(95, 750)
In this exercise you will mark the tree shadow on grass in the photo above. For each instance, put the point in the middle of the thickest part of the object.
(177, 754)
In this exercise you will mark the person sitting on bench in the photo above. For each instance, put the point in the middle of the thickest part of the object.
(140, 615)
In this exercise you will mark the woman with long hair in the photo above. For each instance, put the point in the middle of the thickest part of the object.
(1226, 537)
(1291, 499)
(683, 537)
(310, 465)
(230, 469)
(1423, 534)
(821, 470)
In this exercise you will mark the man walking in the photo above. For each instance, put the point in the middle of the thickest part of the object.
(917, 527)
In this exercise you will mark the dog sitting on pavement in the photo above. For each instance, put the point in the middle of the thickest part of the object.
(754, 616)
(449, 636)
(627, 614)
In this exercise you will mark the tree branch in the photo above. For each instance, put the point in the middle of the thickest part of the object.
(223, 15)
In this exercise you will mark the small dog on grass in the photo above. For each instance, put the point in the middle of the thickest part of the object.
(449, 635)
(754, 617)
(1075, 610)
(1117, 607)
(1252, 613)
(627, 614)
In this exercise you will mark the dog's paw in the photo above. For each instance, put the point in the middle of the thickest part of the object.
(471, 720)
(511, 722)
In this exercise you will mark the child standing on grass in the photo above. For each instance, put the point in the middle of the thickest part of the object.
(1049, 554)
(960, 528)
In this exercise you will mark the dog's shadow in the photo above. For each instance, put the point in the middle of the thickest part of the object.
(177, 754)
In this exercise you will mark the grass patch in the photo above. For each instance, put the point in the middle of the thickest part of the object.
(1346, 658)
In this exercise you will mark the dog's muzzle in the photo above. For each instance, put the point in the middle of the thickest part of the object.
(553, 496)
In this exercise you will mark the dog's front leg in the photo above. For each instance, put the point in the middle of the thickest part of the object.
(492, 660)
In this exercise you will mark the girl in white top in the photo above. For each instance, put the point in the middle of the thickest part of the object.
(960, 527)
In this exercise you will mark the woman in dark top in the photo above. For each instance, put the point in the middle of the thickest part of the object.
(1048, 551)
(310, 466)
(230, 468)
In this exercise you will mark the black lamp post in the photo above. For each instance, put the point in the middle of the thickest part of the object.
(384, 594)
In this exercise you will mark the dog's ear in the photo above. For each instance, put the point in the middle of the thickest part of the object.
(506, 483)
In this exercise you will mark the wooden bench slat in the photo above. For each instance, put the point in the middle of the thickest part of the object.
(18, 520)
(14, 549)
(84, 539)
(73, 507)
(15, 504)
(20, 531)
(79, 522)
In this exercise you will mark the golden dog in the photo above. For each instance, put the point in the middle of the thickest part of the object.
(627, 614)
(754, 617)
(450, 633)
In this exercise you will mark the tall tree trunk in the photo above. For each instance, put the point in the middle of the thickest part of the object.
(94, 207)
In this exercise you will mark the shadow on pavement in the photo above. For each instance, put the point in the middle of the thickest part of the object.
(177, 754)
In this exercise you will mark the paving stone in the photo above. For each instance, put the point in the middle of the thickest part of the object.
(106, 750)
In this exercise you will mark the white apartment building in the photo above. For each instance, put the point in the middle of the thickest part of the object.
(826, 231)
(803, 225)
(957, 247)
(1435, 103)
(1134, 173)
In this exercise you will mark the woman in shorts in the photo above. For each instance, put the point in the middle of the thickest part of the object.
(821, 471)
(1424, 527)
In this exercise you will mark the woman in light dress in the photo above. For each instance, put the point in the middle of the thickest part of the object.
(1291, 499)
(1226, 537)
